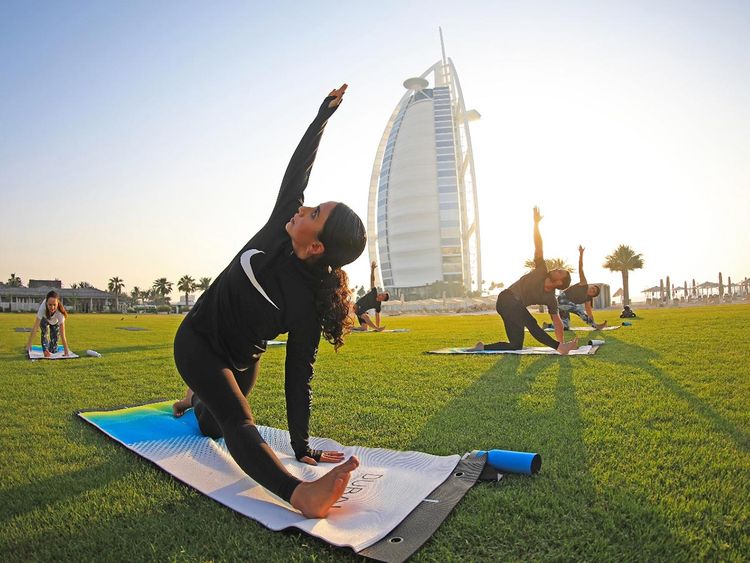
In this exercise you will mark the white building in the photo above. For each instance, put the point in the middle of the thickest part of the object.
(423, 217)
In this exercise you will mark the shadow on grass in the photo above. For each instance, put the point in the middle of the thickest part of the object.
(20, 499)
(531, 405)
(133, 349)
(634, 356)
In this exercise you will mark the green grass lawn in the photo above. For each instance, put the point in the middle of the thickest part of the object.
(645, 445)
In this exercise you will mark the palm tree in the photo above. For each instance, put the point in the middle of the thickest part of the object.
(84, 285)
(203, 284)
(147, 295)
(624, 259)
(552, 264)
(14, 281)
(162, 287)
(115, 286)
(135, 294)
(186, 284)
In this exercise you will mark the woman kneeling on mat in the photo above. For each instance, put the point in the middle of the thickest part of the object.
(50, 318)
(287, 278)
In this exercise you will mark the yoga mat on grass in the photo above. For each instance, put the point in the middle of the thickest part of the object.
(381, 331)
(388, 489)
(36, 353)
(583, 328)
(586, 350)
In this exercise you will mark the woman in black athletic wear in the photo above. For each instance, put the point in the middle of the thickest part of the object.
(535, 288)
(287, 278)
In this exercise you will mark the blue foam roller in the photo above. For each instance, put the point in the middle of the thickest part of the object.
(514, 462)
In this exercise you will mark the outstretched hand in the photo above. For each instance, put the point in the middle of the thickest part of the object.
(325, 457)
(373, 265)
(580, 249)
(537, 215)
(338, 95)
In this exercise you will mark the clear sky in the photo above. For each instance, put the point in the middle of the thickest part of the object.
(147, 139)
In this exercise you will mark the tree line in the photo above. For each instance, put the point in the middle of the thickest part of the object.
(624, 260)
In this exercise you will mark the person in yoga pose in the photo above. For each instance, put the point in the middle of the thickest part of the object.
(50, 318)
(577, 299)
(535, 288)
(370, 300)
(287, 278)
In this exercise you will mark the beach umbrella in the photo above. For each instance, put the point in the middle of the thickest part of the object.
(721, 286)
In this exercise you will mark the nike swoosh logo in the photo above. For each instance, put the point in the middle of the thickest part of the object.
(245, 263)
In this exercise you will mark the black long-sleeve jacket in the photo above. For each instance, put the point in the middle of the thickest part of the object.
(266, 291)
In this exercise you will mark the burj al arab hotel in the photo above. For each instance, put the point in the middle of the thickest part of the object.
(423, 219)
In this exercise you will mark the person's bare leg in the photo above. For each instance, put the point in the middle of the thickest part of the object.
(179, 407)
(368, 322)
(315, 498)
(566, 347)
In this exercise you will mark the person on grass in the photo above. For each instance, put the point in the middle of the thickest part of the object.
(578, 298)
(370, 300)
(535, 288)
(50, 319)
(286, 279)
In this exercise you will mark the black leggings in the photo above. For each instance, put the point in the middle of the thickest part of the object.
(221, 407)
(516, 317)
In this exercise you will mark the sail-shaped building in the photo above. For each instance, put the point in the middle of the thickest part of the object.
(423, 220)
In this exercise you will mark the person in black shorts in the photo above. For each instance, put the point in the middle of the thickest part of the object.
(578, 298)
(535, 288)
(286, 279)
(371, 300)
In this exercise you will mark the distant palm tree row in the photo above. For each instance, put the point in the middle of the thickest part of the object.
(159, 290)
(624, 259)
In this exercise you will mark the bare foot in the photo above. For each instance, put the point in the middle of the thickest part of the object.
(47, 353)
(478, 347)
(315, 498)
(379, 329)
(179, 407)
(566, 347)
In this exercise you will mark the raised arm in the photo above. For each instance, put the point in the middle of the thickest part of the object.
(373, 266)
(581, 275)
(538, 250)
(291, 192)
